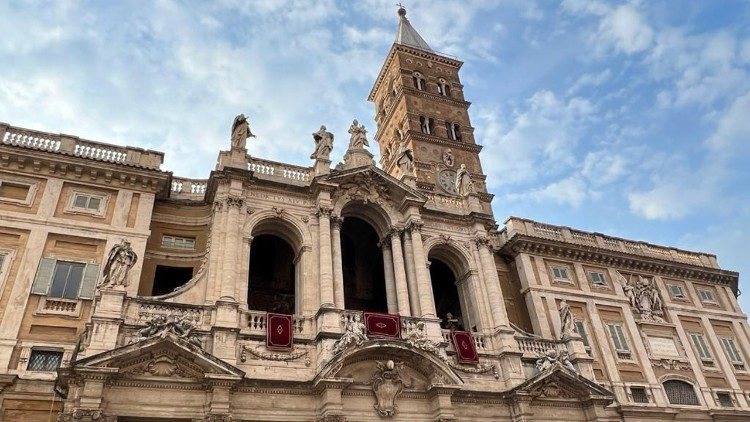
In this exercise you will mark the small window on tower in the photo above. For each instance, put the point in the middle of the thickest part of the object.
(456, 132)
(430, 125)
(419, 82)
(423, 125)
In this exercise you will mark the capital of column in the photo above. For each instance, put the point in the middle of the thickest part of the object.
(385, 242)
(395, 231)
(336, 221)
(483, 241)
(323, 211)
(234, 201)
(414, 226)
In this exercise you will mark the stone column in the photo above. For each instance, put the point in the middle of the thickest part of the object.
(390, 281)
(338, 271)
(399, 274)
(326, 270)
(497, 306)
(411, 274)
(424, 285)
(234, 205)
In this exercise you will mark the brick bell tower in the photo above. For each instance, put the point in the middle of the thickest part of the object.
(420, 108)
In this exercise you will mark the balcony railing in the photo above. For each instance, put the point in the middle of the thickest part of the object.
(284, 173)
(533, 347)
(257, 322)
(183, 188)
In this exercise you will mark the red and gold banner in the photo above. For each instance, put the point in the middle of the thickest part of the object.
(279, 334)
(466, 350)
(383, 325)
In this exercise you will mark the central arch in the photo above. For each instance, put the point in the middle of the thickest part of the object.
(449, 273)
(362, 265)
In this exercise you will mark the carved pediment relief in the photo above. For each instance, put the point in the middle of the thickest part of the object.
(561, 383)
(372, 184)
(163, 363)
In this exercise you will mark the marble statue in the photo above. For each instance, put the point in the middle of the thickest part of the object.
(355, 333)
(448, 157)
(567, 325)
(358, 138)
(120, 260)
(464, 185)
(240, 131)
(323, 144)
(553, 358)
(405, 159)
(644, 297)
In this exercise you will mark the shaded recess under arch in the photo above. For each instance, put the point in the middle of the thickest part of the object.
(447, 267)
(362, 265)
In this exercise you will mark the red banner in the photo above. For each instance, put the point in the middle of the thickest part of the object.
(466, 350)
(383, 325)
(279, 334)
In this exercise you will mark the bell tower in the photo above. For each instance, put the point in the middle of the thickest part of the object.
(421, 114)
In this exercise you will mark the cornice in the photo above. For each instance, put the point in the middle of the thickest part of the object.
(432, 139)
(526, 244)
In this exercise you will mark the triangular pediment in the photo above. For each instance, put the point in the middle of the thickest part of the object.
(159, 357)
(559, 382)
(369, 182)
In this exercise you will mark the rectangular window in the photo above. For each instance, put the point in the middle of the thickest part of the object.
(44, 360)
(700, 345)
(561, 273)
(597, 278)
(676, 291)
(706, 296)
(581, 330)
(733, 354)
(66, 280)
(177, 242)
(17, 192)
(619, 340)
(87, 202)
(725, 399)
(639, 394)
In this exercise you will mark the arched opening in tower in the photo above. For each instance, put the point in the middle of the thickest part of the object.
(362, 264)
(446, 295)
(271, 279)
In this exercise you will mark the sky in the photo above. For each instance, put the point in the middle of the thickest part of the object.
(630, 118)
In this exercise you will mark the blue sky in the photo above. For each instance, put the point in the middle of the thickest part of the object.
(630, 118)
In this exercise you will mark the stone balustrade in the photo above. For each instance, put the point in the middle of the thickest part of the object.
(257, 322)
(140, 310)
(533, 347)
(183, 188)
(284, 173)
(516, 225)
(74, 146)
(446, 202)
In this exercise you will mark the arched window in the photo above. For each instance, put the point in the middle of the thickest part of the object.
(271, 279)
(443, 88)
(419, 81)
(680, 392)
(445, 291)
(456, 132)
(424, 125)
(362, 265)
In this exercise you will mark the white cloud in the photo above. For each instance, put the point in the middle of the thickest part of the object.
(624, 28)
(732, 135)
(570, 191)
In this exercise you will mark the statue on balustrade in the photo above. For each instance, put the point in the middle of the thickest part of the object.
(464, 185)
(120, 260)
(355, 334)
(241, 131)
(358, 139)
(323, 144)
(567, 324)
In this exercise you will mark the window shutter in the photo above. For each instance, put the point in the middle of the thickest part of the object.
(43, 276)
(88, 284)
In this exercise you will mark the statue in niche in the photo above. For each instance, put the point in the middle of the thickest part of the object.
(405, 159)
(323, 144)
(464, 185)
(120, 260)
(358, 138)
(567, 325)
(241, 131)
(355, 333)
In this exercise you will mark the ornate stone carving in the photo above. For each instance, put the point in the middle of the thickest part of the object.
(161, 325)
(567, 324)
(120, 260)
(85, 414)
(162, 366)
(363, 188)
(552, 358)
(405, 159)
(358, 138)
(323, 144)
(387, 386)
(448, 157)
(671, 364)
(464, 184)
(235, 201)
(279, 357)
(214, 417)
(414, 226)
(416, 336)
(643, 296)
(278, 211)
(355, 334)
(240, 131)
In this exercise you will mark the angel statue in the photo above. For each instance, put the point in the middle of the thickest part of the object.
(241, 131)
(120, 260)
(359, 136)
(323, 144)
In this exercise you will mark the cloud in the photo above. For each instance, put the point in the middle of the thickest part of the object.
(732, 135)
(624, 28)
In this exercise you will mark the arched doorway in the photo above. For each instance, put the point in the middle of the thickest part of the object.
(362, 265)
(271, 279)
(447, 298)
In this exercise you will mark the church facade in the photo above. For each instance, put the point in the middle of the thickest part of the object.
(352, 291)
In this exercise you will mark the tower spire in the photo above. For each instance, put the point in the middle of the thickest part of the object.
(407, 35)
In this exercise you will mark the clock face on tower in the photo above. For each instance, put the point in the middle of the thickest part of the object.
(446, 179)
